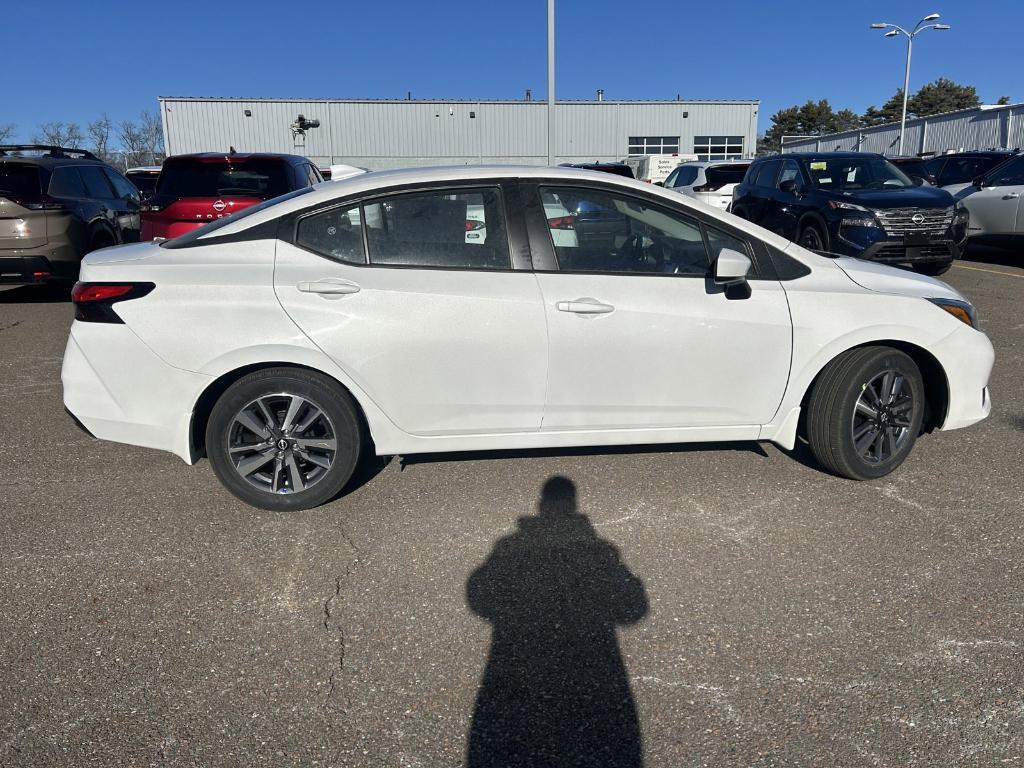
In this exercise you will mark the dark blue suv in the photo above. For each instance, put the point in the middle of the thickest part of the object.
(854, 204)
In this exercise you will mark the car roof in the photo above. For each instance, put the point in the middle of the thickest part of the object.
(49, 162)
(706, 163)
(825, 155)
(239, 156)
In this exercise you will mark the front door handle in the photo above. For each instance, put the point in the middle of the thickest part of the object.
(585, 306)
(329, 287)
(1011, 195)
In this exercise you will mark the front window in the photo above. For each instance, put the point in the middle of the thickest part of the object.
(654, 145)
(683, 176)
(1009, 174)
(595, 231)
(849, 174)
(718, 147)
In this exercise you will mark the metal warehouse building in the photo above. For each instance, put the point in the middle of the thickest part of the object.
(984, 127)
(380, 134)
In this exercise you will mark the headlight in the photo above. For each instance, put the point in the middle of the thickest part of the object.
(847, 206)
(859, 221)
(961, 310)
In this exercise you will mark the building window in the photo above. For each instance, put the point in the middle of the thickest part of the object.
(653, 145)
(718, 147)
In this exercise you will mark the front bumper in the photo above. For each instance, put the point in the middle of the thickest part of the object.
(898, 251)
(116, 388)
(876, 244)
(967, 357)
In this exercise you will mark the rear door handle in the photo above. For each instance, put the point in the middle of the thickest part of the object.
(329, 287)
(586, 306)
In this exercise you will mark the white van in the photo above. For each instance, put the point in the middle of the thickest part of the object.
(654, 169)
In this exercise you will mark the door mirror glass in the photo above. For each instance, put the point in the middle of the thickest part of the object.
(979, 182)
(731, 267)
(918, 180)
(788, 186)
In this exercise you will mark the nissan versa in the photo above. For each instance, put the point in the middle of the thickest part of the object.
(287, 340)
(855, 204)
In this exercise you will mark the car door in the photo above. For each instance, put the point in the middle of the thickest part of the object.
(995, 208)
(639, 336)
(783, 213)
(757, 203)
(444, 334)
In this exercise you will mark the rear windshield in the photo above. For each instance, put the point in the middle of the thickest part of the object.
(192, 177)
(19, 181)
(725, 174)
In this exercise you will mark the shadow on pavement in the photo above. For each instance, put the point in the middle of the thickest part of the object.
(555, 690)
(49, 293)
(1006, 255)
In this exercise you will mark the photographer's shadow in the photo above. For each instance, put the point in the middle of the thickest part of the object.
(555, 691)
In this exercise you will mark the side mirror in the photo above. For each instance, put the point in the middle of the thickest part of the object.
(979, 182)
(731, 267)
(789, 185)
(918, 180)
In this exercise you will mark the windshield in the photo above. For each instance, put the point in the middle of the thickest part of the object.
(849, 174)
(192, 177)
(208, 229)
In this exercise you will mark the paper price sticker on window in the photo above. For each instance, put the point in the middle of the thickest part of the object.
(820, 166)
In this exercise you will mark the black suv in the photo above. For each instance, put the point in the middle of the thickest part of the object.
(853, 204)
(56, 205)
(965, 167)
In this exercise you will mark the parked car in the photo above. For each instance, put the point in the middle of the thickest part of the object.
(965, 167)
(284, 341)
(854, 204)
(654, 169)
(194, 190)
(711, 182)
(144, 178)
(619, 169)
(56, 205)
(994, 202)
(914, 167)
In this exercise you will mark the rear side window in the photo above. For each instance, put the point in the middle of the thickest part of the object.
(334, 233)
(725, 174)
(766, 174)
(65, 181)
(193, 177)
(457, 229)
(19, 182)
(96, 184)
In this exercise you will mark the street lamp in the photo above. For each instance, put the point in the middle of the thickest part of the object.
(896, 31)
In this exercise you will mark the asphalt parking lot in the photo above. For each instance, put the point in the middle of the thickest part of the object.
(698, 606)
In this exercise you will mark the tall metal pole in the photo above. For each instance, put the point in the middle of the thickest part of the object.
(906, 88)
(551, 82)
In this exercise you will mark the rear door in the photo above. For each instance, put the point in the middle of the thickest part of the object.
(640, 337)
(445, 334)
(758, 200)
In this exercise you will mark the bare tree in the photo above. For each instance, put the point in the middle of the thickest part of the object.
(59, 134)
(133, 142)
(153, 129)
(6, 132)
(142, 141)
(99, 134)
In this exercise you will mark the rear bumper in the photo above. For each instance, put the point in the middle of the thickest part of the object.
(117, 389)
(27, 268)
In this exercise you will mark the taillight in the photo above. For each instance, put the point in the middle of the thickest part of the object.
(151, 207)
(94, 301)
(473, 225)
(44, 204)
(562, 222)
(709, 187)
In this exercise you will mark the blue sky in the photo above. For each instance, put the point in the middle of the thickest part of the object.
(122, 55)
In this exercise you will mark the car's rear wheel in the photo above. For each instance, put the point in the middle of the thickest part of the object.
(933, 268)
(812, 238)
(865, 412)
(284, 439)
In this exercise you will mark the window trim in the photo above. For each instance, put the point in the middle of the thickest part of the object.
(543, 248)
(361, 200)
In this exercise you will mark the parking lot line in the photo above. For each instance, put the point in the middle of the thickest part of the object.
(993, 271)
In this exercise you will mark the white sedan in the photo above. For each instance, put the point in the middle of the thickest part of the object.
(287, 340)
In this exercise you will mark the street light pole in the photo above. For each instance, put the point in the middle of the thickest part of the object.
(895, 31)
(551, 82)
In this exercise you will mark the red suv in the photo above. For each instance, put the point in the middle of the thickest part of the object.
(194, 190)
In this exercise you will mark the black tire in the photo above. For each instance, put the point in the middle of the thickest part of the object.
(812, 238)
(933, 268)
(838, 424)
(300, 471)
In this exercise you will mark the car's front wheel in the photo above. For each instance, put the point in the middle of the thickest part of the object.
(812, 238)
(284, 439)
(865, 412)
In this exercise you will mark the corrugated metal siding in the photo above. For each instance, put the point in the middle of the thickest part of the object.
(967, 129)
(383, 134)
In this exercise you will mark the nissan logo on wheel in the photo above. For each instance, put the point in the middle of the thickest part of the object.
(917, 218)
(220, 205)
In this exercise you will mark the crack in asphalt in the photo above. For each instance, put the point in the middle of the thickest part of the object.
(331, 621)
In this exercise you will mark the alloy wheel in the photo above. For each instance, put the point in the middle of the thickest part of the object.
(882, 417)
(811, 240)
(282, 443)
